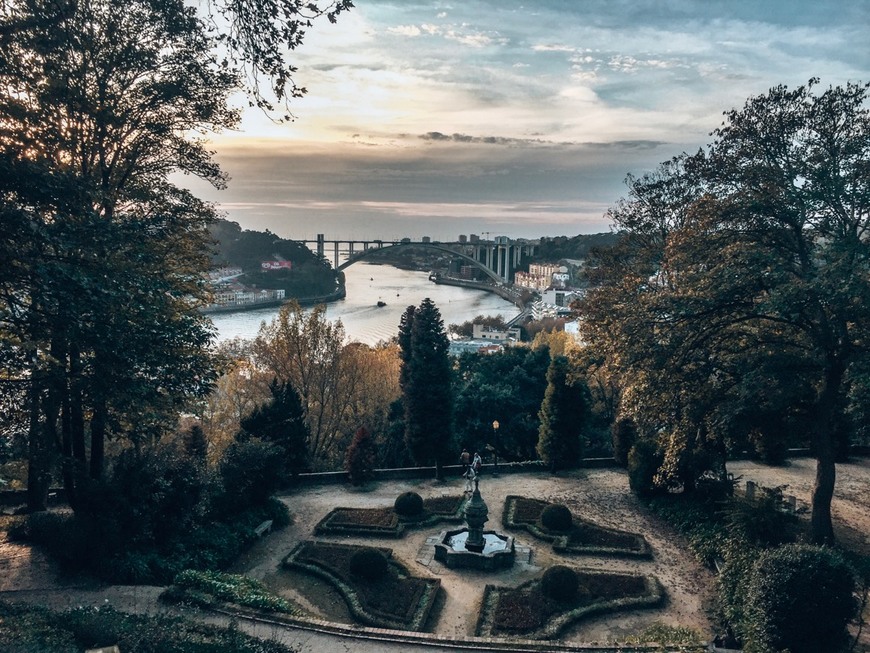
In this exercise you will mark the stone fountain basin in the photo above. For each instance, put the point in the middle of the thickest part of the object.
(498, 552)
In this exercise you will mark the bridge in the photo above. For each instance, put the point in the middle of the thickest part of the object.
(498, 258)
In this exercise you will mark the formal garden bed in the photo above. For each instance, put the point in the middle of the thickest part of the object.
(378, 590)
(568, 533)
(535, 611)
(390, 521)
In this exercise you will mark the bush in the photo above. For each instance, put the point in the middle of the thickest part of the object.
(408, 504)
(644, 461)
(623, 435)
(359, 463)
(556, 517)
(560, 583)
(368, 564)
(800, 598)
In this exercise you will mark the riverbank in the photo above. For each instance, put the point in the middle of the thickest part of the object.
(339, 294)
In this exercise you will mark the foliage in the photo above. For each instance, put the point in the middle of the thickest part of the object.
(233, 588)
(560, 583)
(748, 255)
(564, 415)
(408, 504)
(368, 563)
(665, 635)
(508, 386)
(28, 628)
(100, 292)
(644, 461)
(341, 386)
(310, 276)
(250, 473)
(281, 422)
(425, 378)
(800, 598)
(360, 460)
(556, 517)
(624, 435)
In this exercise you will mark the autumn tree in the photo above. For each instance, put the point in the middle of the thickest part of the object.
(425, 379)
(752, 252)
(563, 417)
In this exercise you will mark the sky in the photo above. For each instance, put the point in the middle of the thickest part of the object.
(499, 117)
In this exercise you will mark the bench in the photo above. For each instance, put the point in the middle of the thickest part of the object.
(265, 527)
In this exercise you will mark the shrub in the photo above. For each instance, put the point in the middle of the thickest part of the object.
(623, 435)
(556, 517)
(560, 583)
(251, 472)
(368, 564)
(408, 504)
(644, 461)
(800, 598)
(359, 463)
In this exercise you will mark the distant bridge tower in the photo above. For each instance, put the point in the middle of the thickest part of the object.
(321, 245)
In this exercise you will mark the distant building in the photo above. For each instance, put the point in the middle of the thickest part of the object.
(481, 332)
(474, 238)
(459, 347)
(541, 276)
(463, 238)
(220, 275)
(555, 302)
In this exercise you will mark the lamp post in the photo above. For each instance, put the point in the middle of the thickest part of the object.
(495, 447)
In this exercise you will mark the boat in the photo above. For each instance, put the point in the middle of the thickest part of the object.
(381, 304)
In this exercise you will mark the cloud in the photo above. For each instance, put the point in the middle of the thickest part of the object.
(405, 30)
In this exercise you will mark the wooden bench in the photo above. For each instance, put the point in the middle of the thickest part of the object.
(265, 527)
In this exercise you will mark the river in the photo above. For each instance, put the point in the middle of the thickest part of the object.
(368, 323)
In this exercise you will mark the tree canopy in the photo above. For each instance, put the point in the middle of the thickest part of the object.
(741, 286)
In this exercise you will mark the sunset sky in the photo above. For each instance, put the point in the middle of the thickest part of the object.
(508, 118)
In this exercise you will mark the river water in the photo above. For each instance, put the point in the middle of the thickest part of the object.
(368, 323)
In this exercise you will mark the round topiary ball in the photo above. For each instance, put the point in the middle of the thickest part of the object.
(408, 504)
(368, 564)
(560, 583)
(556, 517)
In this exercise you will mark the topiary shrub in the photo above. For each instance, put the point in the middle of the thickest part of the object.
(408, 504)
(644, 461)
(359, 463)
(560, 583)
(800, 598)
(368, 564)
(556, 517)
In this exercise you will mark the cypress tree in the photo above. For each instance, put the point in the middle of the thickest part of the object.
(426, 385)
(563, 416)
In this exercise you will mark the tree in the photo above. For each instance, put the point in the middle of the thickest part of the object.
(281, 421)
(360, 460)
(563, 415)
(425, 379)
(752, 250)
(100, 295)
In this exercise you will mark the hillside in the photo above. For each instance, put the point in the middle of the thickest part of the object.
(306, 276)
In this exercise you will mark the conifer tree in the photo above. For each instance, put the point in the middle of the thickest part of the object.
(426, 388)
(563, 416)
(281, 421)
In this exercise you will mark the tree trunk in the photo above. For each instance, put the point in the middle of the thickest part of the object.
(98, 439)
(37, 454)
(822, 528)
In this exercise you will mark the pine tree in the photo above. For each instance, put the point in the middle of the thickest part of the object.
(563, 416)
(426, 385)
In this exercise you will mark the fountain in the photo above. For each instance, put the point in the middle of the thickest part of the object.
(472, 547)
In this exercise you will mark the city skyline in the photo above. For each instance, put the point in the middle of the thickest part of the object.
(434, 119)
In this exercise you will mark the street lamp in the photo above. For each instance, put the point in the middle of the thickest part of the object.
(495, 447)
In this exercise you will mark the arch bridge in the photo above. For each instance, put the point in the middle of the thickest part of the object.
(498, 258)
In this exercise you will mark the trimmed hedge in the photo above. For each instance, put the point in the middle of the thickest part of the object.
(560, 583)
(408, 504)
